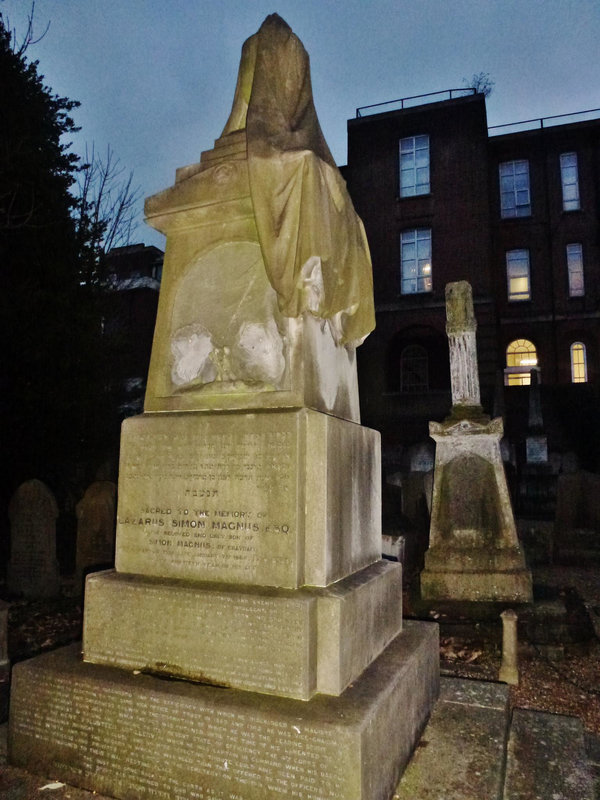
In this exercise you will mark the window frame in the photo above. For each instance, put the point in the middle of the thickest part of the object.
(414, 188)
(575, 269)
(513, 295)
(578, 364)
(508, 178)
(420, 356)
(574, 203)
(519, 374)
(423, 270)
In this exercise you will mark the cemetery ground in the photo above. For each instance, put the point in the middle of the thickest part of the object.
(563, 678)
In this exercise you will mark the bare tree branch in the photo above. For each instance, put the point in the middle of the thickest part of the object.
(107, 204)
(29, 37)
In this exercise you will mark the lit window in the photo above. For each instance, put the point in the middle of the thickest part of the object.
(414, 166)
(521, 358)
(415, 258)
(517, 275)
(578, 363)
(515, 200)
(414, 369)
(570, 181)
(575, 270)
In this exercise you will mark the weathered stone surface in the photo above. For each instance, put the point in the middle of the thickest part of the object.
(4, 662)
(461, 326)
(277, 641)
(546, 758)
(267, 282)
(509, 669)
(134, 736)
(474, 551)
(577, 505)
(461, 752)
(96, 527)
(33, 568)
(277, 498)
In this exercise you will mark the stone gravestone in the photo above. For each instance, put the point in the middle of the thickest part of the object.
(248, 528)
(33, 569)
(577, 519)
(95, 528)
(474, 553)
(537, 480)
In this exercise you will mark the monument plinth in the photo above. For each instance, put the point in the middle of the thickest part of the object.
(248, 533)
(474, 552)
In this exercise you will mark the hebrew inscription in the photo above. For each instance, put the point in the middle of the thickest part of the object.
(211, 498)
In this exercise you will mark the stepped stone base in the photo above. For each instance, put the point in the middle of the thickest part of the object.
(501, 587)
(476, 575)
(276, 641)
(136, 736)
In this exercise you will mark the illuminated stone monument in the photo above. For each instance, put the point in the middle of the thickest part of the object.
(474, 552)
(248, 524)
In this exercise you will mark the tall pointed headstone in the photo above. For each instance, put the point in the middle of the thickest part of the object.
(474, 553)
(248, 523)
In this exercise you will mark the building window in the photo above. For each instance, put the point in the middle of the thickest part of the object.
(414, 369)
(515, 200)
(414, 166)
(517, 275)
(575, 270)
(578, 363)
(521, 357)
(570, 181)
(415, 257)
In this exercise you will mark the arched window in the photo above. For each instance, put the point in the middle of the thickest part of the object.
(578, 363)
(414, 369)
(521, 357)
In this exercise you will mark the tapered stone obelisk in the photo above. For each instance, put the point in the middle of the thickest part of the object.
(474, 553)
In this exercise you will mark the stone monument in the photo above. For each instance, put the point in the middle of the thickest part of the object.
(538, 476)
(474, 553)
(248, 524)
(33, 568)
(95, 528)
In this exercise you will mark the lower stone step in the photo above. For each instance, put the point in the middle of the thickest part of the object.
(137, 737)
(546, 758)
(461, 752)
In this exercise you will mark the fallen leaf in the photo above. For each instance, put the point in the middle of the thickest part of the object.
(54, 785)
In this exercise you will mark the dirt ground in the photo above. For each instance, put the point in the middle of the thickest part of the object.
(561, 682)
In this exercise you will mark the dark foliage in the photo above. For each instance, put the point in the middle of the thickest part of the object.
(52, 400)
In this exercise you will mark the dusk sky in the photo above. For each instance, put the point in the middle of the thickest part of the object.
(156, 79)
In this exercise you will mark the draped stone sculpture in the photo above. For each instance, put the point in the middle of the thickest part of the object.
(308, 230)
(267, 287)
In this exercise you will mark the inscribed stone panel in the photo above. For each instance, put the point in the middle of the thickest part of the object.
(210, 497)
(138, 737)
(248, 498)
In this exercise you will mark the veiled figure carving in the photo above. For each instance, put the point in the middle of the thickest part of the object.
(307, 226)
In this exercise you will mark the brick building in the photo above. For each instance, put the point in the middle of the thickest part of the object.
(513, 210)
(133, 280)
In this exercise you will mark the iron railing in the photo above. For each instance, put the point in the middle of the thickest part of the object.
(544, 122)
(446, 94)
